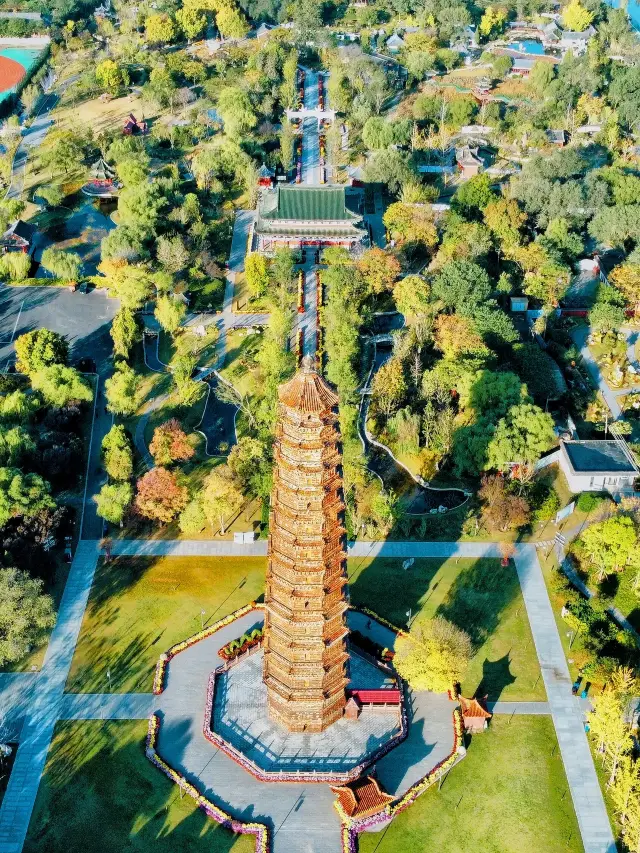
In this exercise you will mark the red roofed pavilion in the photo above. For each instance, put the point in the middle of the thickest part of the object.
(362, 797)
(474, 715)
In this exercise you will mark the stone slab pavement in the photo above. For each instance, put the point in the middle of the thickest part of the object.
(16, 690)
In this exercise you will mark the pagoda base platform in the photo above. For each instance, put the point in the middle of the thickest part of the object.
(237, 720)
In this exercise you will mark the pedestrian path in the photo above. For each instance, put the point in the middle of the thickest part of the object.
(44, 709)
(536, 708)
(566, 711)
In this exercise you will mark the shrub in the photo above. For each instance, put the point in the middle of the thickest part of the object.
(588, 501)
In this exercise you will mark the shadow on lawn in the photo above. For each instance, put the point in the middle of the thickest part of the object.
(98, 784)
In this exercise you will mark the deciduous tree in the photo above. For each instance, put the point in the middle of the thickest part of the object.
(122, 390)
(170, 313)
(60, 385)
(609, 545)
(170, 443)
(257, 273)
(160, 496)
(40, 348)
(26, 615)
(434, 655)
(125, 332)
(117, 453)
(113, 501)
(379, 269)
(221, 496)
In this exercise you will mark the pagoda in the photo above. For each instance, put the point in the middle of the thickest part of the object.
(103, 182)
(305, 652)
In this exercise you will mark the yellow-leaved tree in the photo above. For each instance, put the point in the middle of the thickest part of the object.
(575, 17)
(434, 655)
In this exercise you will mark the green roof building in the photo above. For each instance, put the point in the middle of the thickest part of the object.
(297, 216)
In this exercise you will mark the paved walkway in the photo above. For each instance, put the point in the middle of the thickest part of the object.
(565, 710)
(44, 709)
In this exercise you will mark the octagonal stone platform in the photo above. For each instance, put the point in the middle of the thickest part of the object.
(241, 718)
(300, 815)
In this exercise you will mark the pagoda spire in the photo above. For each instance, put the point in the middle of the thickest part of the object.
(305, 654)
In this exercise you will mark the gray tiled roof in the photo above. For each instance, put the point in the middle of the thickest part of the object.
(598, 457)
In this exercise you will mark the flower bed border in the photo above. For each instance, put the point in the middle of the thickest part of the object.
(351, 828)
(165, 657)
(259, 830)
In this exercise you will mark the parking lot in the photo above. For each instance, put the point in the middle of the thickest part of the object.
(83, 318)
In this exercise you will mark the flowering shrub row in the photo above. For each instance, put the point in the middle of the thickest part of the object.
(237, 647)
(161, 666)
(300, 292)
(259, 830)
(299, 345)
(351, 827)
(378, 618)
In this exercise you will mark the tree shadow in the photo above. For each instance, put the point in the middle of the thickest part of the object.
(97, 775)
(496, 676)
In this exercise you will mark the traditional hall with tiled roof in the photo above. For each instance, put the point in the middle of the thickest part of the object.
(296, 216)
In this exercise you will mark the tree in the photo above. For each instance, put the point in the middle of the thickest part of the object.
(379, 269)
(616, 226)
(26, 615)
(131, 285)
(15, 442)
(505, 220)
(606, 316)
(117, 453)
(125, 332)
(411, 223)
(113, 501)
(192, 518)
(170, 313)
(51, 194)
(473, 196)
(188, 390)
(122, 390)
(388, 167)
(160, 496)
(434, 655)
(461, 283)
(236, 111)
(411, 295)
(377, 133)
(256, 271)
(454, 335)
(15, 265)
(521, 437)
(191, 21)
(609, 545)
(493, 22)
(110, 75)
(575, 17)
(250, 467)
(541, 77)
(287, 144)
(230, 21)
(40, 348)
(23, 494)
(610, 728)
(389, 387)
(501, 510)
(62, 264)
(160, 29)
(170, 443)
(221, 497)
(139, 207)
(626, 277)
(173, 253)
(60, 385)
(63, 149)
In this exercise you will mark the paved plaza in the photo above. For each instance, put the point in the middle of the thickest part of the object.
(241, 717)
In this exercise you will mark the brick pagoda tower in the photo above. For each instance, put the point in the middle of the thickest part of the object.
(305, 633)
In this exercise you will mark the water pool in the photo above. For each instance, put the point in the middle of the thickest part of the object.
(527, 46)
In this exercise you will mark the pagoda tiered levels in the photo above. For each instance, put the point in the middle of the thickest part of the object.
(305, 629)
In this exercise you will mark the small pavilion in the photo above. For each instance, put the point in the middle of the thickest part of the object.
(474, 716)
(103, 182)
(362, 798)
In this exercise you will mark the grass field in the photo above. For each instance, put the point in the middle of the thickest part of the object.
(100, 793)
(509, 795)
(480, 596)
(140, 607)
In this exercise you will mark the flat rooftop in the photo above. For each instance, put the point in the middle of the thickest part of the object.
(599, 457)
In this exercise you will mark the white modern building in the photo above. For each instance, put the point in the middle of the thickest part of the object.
(598, 466)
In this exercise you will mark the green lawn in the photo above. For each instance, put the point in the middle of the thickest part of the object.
(139, 607)
(509, 795)
(480, 596)
(100, 793)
